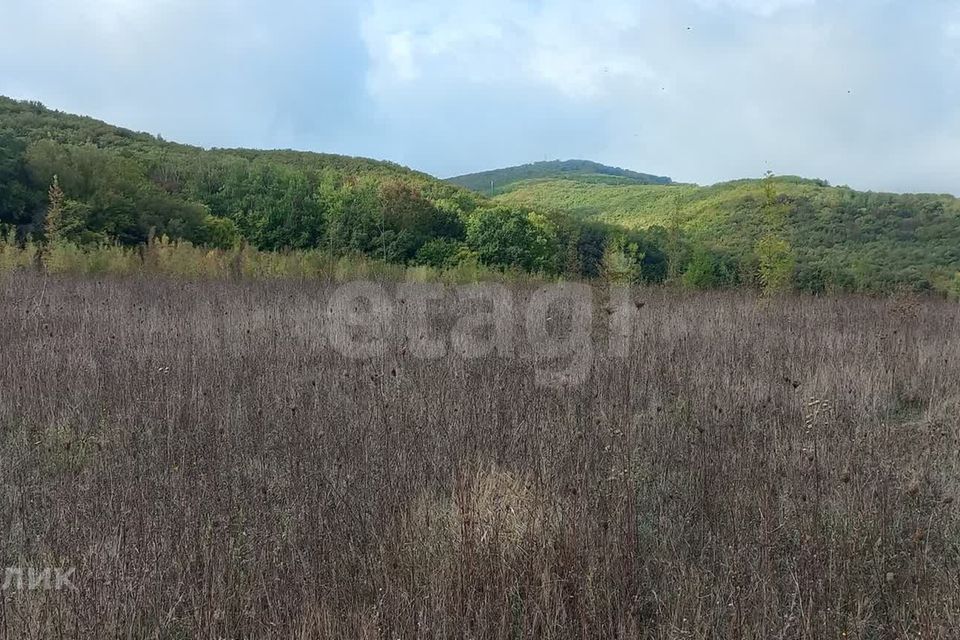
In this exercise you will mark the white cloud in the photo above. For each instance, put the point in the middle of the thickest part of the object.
(467, 40)
(100, 21)
(131, 32)
(400, 55)
(559, 44)
(585, 52)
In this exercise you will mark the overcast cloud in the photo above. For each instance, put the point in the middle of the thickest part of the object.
(859, 92)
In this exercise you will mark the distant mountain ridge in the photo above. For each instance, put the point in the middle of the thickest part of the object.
(497, 180)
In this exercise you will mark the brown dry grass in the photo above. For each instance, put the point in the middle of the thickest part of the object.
(755, 469)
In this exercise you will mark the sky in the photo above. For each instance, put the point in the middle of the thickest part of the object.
(857, 92)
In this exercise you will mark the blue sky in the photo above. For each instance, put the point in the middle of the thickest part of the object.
(859, 92)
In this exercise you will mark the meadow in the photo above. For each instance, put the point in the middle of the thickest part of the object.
(209, 464)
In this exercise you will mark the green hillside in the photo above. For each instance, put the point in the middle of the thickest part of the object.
(499, 180)
(77, 180)
(122, 184)
(850, 239)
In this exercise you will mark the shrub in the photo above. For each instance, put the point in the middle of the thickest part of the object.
(14, 256)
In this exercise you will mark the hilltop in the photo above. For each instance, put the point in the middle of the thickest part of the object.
(33, 122)
(585, 171)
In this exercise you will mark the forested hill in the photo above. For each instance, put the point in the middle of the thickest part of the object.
(78, 181)
(833, 237)
(498, 180)
(120, 186)
(33, 122)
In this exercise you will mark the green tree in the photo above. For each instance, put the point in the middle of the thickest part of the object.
(810, 278)
(709, 270)
(220, 232)
(648, 248)
(442, 253)
(409, 220)
(504, 237)
(674, 245)
(53, 222)
(701, 271)
(775, 257)
(620, 261)
(17, 200)
(591, 241)
(775, 210)
(776, 264)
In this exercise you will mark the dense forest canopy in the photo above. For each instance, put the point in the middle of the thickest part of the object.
(107, 185)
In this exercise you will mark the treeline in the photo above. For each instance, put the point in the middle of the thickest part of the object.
(94, 185)
(120, 187)
(830, 238)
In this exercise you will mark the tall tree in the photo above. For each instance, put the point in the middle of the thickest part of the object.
(53, 223)
(774, 253)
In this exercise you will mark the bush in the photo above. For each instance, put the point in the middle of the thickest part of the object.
(710, 270)
(442, 253)
(14, 256)
(503, 237)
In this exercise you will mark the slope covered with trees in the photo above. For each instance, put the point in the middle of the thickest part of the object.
(75, 180)
(585, 171)
(118, 186)
(837, 237)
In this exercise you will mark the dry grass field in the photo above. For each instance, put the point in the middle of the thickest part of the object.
(211, 467)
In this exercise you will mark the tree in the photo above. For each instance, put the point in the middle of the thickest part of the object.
(504, 237)
(53, 223)
(648, 248)
(810, 278)
(221, 232)
(591, 241)
(775, 209)
(409, 220)
(776, 262)
(709, 269)
(674, 248)
(620, 261)
(775, 256)
(701, 271)
(442, 253)
(17, 200)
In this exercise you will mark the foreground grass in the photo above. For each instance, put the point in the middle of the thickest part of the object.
(164, 257)
(213, 469)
